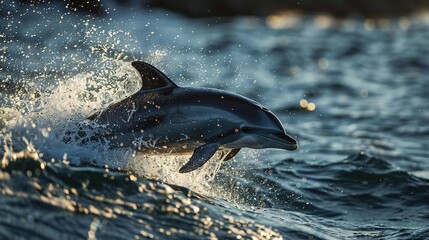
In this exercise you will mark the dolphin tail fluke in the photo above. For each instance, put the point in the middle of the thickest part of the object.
(200, 156)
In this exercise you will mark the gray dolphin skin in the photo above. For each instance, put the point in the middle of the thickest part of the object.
(165, 118)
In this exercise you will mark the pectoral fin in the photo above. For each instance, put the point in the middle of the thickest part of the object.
(201, 155)
(231, 154)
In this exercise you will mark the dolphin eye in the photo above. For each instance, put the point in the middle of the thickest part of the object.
(246, 129)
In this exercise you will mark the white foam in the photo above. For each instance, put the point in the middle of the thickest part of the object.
(56, 125)
(166, 167)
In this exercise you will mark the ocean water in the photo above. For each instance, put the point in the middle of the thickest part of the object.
(353, 92)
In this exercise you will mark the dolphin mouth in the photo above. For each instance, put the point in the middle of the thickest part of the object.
(280, 140)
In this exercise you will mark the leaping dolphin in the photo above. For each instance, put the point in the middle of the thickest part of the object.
(163, 117)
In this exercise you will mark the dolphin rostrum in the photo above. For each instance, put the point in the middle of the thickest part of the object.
(163, 117)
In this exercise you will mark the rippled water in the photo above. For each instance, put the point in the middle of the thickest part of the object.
(354, 93)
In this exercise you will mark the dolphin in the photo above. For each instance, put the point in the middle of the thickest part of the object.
(165, 118)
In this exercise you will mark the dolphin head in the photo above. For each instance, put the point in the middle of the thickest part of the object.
(261, 129)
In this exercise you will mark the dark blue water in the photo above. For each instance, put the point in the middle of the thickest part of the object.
(353, 92)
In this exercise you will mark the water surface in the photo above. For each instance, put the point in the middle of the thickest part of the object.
(353, 92)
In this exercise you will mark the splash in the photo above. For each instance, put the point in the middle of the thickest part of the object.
(73, 76)
(165, 168)
(56, 125)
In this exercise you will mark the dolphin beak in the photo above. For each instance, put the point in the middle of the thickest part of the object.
(281, 140)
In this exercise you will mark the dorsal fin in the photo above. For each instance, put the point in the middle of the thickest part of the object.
(152, 78)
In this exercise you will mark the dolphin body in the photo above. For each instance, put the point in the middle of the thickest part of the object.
(165, 118)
